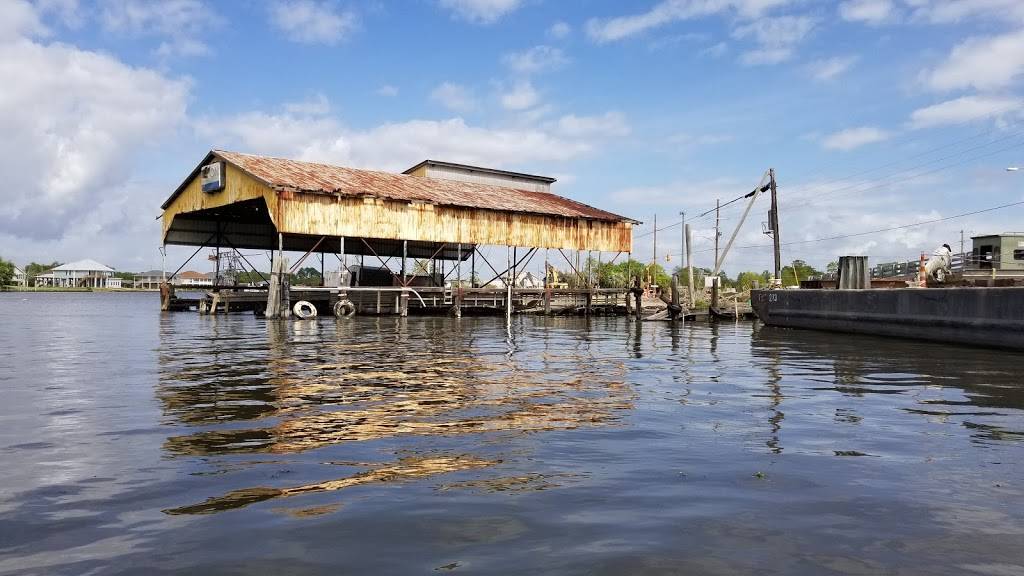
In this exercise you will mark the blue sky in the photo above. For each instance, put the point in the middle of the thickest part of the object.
(874, 113)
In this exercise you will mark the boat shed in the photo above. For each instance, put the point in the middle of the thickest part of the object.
(259, 202)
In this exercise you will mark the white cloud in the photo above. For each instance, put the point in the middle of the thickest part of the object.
(982, 63)
(537, 59)
(17, 19)
(952, 11)
(607, 124)
(669, 11)
(965, 109)
(455, 97)
(387, 90)
(776, 38)
(559, 30)
(316, 105)
(830, 68)
(854, 138)
(520, 96)
(179, 21)
(182, 46)
(869, 11)
(398, 145)
(313, 22)
(91, 114)
(481, 11)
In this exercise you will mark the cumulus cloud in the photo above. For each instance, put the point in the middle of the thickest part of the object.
(669, 11)
(777, 38)
(982, 63)
(965, 109)
(480, 11)
(559, 30)
(854, 138)
(387, 90)
(17, 19)
(177, 21)
(537, 59)
(520, 96)
(952, 11)
(397, 145)
(830, 68)
(91, 113)
(313, 22)
(869, 11)
(455, 97)
(607, 124)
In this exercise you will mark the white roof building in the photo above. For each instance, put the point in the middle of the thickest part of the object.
(86, 273)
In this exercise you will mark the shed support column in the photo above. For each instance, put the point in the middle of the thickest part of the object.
(343, 277)
(405, 251)
(508, 293)
(458, 290)
(547, 284)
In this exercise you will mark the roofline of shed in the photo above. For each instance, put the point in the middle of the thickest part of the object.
(280, 188)
(481, 169)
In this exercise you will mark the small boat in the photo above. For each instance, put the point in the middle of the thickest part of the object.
(991, 317)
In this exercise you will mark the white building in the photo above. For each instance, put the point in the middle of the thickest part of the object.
(81, 274)
(19, 277)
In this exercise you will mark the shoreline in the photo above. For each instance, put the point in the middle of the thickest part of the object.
(68, 289)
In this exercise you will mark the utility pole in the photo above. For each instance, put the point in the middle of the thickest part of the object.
(775, 225)
(654, 258)
(682, 237)
(961, 243)
(717, 233)
(689, 255)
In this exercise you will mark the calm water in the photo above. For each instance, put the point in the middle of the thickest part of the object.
(139, 443)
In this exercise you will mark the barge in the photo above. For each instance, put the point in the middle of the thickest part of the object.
(990, 317)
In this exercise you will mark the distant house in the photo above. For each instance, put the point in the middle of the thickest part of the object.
(80, 274)
(149, 280)
(192, 279)
(19, 277)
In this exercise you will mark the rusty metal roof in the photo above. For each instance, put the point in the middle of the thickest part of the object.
(292, 175)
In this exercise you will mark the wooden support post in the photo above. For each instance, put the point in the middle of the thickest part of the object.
(675, 291)
(286, 287)
(508, 285)
(405, 250)
(458, 289)
(714, 295)
(547, 284)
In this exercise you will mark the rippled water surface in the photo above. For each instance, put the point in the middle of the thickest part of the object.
(139, 443)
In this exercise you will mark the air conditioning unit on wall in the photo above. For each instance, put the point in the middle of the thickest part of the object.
(211, 177)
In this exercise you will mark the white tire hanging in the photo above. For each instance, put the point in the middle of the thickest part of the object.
(304, 309)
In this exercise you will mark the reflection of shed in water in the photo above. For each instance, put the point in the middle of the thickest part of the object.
(352, 385)
(436, 213)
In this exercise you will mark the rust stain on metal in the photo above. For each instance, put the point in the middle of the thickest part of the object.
(286, 175)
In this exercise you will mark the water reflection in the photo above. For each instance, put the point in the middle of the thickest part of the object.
(308, 385)
(403, 470)
(979, 387)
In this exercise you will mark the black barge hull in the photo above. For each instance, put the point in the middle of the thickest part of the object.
(991, 317)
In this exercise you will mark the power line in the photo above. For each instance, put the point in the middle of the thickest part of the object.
(882, 181)
(880, 230)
